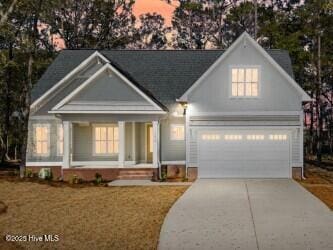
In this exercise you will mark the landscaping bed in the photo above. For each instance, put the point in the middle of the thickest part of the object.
(320, 183)
(89, 217)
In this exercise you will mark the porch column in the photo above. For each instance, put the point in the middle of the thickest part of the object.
(156, 134)
(121, 155)
(67, 128)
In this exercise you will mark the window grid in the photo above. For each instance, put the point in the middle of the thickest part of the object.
(42, 140)
(244, 82)
(106, 140)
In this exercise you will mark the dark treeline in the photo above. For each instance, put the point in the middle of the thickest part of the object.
(30, 29)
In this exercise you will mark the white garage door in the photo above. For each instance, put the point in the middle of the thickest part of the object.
(244, 154)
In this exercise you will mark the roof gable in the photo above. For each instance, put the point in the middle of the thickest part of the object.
(96, 95)
(246, 38)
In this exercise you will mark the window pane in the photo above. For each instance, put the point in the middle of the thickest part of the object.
(103, 147)
(110, 134)
(240, 91)
(115, 133)
(44, 147)
(110, 147)
(248, 75)
(234, 75)
(240, 75)
(97, 134)
(97, 147)
(248, 89)
(234, 89)
(116, 144)
(254, 75)
(38, 134)
(103, 133)
(38, 147)
(254, 89)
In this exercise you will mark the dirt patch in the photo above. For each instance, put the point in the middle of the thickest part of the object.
(3, 207)
(85, 218)
(320, 183)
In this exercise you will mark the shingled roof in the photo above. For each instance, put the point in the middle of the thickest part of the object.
(166, 74)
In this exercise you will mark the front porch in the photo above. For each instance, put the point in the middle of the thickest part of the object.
(112, 145)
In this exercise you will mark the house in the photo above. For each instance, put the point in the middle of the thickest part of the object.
(201, 113)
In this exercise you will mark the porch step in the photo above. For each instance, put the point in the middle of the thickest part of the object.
(135, 175)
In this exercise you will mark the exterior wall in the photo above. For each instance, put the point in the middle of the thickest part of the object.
(83, 145)
(172, 150)
(109, 88)
(275, 93)
(53, 125)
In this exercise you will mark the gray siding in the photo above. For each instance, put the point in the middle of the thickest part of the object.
(276, 94)
(171, 150)
(53, 156)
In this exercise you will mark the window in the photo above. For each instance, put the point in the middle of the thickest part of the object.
(278, 137)
(255, 137)
(210, 137)
(233, 137)
(106, 139)
(244, 82)
(177, 132)
(42, 141)
(60, 139)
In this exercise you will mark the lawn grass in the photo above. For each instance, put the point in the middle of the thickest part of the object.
(320, 183)
(85, 218)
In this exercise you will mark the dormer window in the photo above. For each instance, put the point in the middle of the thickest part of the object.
(244, 81)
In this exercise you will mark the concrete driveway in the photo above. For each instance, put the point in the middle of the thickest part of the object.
(247, 214)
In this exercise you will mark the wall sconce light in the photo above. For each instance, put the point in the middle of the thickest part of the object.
(184, 105)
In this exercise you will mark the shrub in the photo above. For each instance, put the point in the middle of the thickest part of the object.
(75, 179)
(28, 173)
(98, 178)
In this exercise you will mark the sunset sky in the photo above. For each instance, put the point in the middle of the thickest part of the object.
(158, 6)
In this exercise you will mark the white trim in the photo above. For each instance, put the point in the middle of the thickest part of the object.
(48, 126)
(173, 162)
(43, 164)
(133, 141)
(155, 125)
(68, 76)
(95, 75)
(67, 126)
(94, 163)
(121, 144)
(247, 113)
(245, 35)
(148, 112)
(106, 125)
(44, 117)
(146, 141)
(173, 125)
(60, 126)
(244, 66)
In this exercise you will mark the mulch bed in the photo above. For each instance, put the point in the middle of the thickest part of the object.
(320, 183)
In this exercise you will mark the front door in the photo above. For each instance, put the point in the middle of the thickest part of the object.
(149, 148)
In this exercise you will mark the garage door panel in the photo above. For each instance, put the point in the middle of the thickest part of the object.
(244, 154)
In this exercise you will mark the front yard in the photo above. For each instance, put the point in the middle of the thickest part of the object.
(320, 183)
(87, 217)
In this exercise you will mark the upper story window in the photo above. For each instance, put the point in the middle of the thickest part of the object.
(177, 132)
(244, 82)
(42, 139)
(106, 139)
